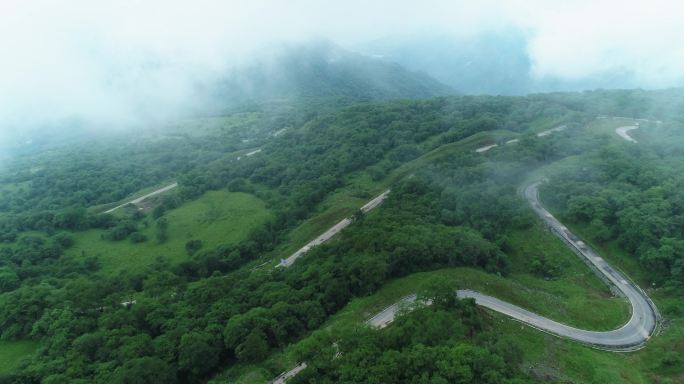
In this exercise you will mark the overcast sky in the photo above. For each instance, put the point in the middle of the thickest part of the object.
(124, 60)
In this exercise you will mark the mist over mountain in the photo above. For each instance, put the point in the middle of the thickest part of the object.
(496, 62)
(289, 73)
(322, 69)
(485, 64)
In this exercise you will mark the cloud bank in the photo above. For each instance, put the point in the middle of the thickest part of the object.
(130, 62)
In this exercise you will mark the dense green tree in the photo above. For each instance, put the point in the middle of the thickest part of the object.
(9, 280)
(440, 292)
(145, 370)
(162, 225)
(197, 355)
(254, 348)
(192, 246)
(449, 207)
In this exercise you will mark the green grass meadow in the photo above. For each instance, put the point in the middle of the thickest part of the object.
(12, 352)
(216, 218)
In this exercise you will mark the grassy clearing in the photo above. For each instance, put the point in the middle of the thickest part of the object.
(607, 126)
(507, 289)
(216, 218)
(12, 352)
(643, 135)
(544, 123)
(201, 126)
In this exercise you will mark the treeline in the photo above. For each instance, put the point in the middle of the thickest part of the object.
(632, 197)
(104, 171)
(305, 165)
(33, 258)
(443, 343)
(107, 168)
(190, 326)
(49, 222)
(193, 310)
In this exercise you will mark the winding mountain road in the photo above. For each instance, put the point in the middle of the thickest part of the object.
(633, 335)
(624, 132)
(644, 315)
(641, 325)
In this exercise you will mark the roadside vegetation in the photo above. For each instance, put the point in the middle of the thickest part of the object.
(171, 293)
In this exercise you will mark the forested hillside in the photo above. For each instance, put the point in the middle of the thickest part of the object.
(184, 288)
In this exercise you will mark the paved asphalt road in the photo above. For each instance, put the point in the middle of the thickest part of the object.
(633, 334)
(289, 374)
(486, 148)
(139, 199)
(550, 131)
(386, 316)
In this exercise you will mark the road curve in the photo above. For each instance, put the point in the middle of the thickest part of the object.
(386, 316)
(640, 327)
(644, 317)
(624, 132)
(633, 335)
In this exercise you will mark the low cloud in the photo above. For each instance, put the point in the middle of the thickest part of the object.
(136, 62)
(581, 39)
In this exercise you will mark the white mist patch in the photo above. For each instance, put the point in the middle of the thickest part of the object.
(137, 62)
(580, 39)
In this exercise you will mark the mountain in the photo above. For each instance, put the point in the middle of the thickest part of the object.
(306, 71)
(325, 70)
